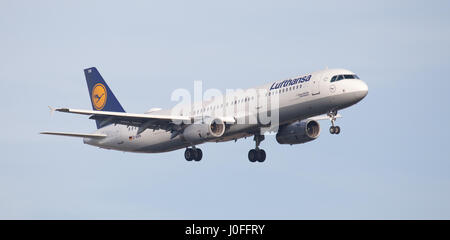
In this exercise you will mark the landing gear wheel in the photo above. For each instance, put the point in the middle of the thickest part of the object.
(337, 130)
(261, 155)
(189, 154)
(257, 154)
(252, 155)
(197, 154)
(332, 130)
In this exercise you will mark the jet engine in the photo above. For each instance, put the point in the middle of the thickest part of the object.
(206, 130)
(298, 132)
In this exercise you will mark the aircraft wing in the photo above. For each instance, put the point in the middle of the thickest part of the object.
(142, 121)
(83, 135)
(324, 117)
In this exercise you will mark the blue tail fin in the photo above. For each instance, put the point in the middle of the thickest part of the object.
(102, 98)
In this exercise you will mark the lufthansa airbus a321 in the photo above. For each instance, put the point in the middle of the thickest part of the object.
(289, 107)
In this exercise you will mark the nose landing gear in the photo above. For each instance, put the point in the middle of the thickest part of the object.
(333, 129)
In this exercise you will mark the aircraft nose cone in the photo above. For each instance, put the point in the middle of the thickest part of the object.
(364, 88)
(361, 90)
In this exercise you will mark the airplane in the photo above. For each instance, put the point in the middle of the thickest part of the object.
(297, 103)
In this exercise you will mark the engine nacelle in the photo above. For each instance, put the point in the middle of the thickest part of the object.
(298, 132)
(198, 132)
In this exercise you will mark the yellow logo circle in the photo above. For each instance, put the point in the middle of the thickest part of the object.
(98, 96)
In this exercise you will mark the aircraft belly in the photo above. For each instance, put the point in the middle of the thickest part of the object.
(304, 110)
(160, 141)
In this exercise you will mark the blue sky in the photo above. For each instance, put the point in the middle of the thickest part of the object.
(391, 161)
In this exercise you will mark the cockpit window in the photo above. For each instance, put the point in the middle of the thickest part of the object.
(346, 76)
(349, 76)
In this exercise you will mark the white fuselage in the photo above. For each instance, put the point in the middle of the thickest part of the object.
(295, 102)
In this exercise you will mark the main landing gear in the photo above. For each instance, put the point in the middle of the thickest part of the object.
(193, 154)
(257, 154)
(333, 129)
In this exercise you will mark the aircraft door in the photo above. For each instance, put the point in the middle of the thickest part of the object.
(316, 85)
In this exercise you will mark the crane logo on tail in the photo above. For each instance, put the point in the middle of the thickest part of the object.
(98, 96)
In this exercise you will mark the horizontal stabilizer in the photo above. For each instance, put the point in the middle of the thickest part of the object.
(83, 135)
